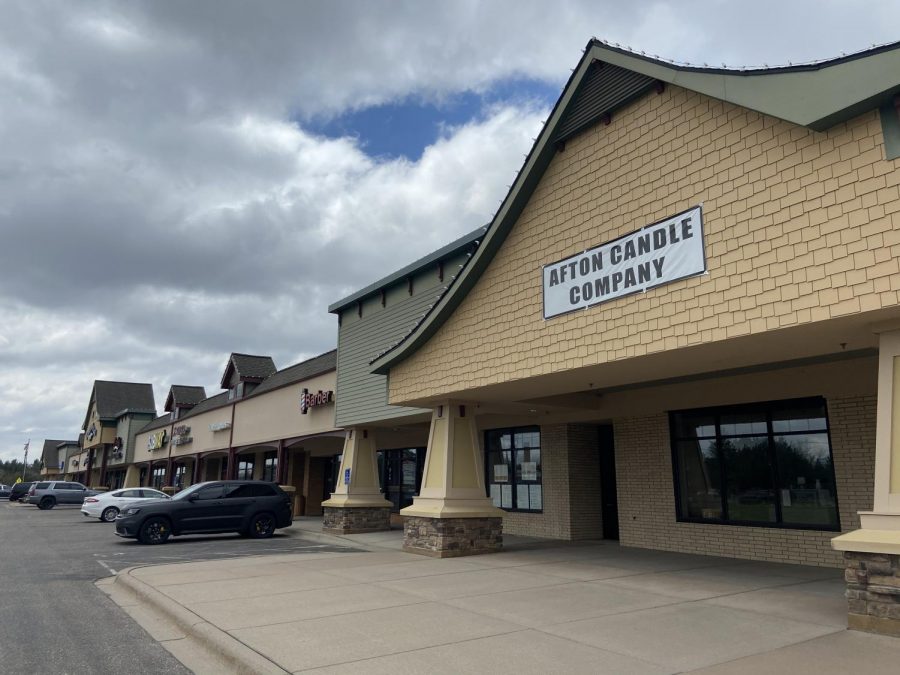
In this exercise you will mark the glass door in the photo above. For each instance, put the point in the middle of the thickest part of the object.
(401, 475)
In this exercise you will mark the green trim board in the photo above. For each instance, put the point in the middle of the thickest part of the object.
(814, 95)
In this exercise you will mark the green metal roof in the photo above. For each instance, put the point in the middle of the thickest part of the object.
(444, 252)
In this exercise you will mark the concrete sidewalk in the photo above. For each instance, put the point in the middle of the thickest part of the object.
(537, 608)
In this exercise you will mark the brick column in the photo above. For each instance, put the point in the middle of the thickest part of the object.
(105, 450)
(281, 464)
(231, 471)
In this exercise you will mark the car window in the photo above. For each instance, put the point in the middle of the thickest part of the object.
(42, 486)
(263, 490)
(209, 492)
(65, 486)
(128, 494)
(238, 491)
(152, 494)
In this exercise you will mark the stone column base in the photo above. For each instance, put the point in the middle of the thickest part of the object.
(356, 519)
(452, 537)
(873, 592)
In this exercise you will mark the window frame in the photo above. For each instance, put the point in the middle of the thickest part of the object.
(767, 408)
(249, 463)
(513, 482)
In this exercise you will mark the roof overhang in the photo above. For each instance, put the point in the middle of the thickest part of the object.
(816, 96)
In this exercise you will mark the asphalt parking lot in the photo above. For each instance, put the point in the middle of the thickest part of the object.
(55, 620)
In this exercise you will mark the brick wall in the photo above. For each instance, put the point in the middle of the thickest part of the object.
(585, 515)
(554, 522)
(800, 226)
(571, 486)
(647, 498)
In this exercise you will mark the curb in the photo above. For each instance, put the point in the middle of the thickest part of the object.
(220, 645)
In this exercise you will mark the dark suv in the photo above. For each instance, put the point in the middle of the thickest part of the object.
(253, 508)
(18, 492)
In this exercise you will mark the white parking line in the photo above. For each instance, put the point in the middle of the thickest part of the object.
(107, 568)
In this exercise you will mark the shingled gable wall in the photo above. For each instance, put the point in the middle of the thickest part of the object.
(800, 226)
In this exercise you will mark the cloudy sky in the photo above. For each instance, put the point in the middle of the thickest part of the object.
(184, 179)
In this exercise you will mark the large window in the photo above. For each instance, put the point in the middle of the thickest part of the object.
(159, 477)
(245, 469)
(513, 472)
(765, 464)
(270, 467)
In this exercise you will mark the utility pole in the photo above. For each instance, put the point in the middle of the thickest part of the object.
(25, 461)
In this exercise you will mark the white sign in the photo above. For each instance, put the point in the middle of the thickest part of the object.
(654, 255)
(219, 426)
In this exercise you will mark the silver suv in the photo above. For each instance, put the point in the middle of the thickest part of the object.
(47, 494)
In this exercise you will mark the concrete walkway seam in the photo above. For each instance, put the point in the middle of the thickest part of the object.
(242, 658)
(337, 540)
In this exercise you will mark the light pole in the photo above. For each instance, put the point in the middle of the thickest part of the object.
(25, 461)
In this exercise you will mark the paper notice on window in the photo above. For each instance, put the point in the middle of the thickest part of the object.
(501, 473)
(529, 471)
(535, 494)
(495, 495)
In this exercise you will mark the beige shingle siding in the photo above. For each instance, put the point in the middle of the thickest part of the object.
(800, 227)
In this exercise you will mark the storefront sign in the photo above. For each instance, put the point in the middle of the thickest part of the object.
(346, 476)
(311, 400)
(654, 255)
(219, 426)
(157, 440)
(181, 435)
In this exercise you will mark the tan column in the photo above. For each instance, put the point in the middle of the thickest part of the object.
(880, 527)
(358, 483)
(453, 479)
(872, 553)
(132, 475)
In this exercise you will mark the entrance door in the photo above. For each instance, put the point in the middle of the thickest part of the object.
(401, 475)
(609, 505)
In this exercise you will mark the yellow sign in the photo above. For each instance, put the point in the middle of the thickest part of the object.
(19, 479)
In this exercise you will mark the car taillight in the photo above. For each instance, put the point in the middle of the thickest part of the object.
(91, 500)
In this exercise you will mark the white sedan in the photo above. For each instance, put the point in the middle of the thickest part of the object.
(106, 505)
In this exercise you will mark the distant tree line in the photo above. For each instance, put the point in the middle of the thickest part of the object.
(12, 469)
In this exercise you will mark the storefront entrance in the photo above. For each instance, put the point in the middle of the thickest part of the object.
(609, 505)
(401, 475)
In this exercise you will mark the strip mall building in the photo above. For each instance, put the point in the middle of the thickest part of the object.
(680, 329)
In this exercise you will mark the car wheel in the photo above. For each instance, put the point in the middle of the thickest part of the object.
(154, 531)
(262, 526)
(47, 503)
(109, 514)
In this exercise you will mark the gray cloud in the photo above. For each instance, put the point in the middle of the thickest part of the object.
(163, 202)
